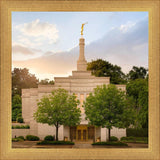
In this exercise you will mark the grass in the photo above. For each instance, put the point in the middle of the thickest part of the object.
(110, 143)
(55, 143)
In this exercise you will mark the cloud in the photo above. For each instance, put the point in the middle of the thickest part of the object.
(125, 46)
(125, 27)
(22, 50)
(39, 30)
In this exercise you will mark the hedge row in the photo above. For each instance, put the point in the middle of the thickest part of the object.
(55, 143)
(28, 137)
(20, 138)
(110, 143)
(32, 138)
(21, 127)
(142, 132)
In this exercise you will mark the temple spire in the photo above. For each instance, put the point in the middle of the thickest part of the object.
(81, 63)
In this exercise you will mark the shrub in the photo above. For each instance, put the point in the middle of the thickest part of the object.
(55, 143)
(142, 132)
(113, 138)
(21, 127)
(27, 127)
(127, 138)
(20, 137)
(17, 127)
(20, 119)
(32, 138)
(49, 138)
(15, 140)
(110, 143)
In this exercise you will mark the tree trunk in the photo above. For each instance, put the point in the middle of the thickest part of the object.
(109, 134)
(57, 132)
(94, 137)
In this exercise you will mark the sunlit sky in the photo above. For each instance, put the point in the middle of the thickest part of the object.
(47, 42)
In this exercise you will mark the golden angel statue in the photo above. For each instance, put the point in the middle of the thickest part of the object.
(82, 28)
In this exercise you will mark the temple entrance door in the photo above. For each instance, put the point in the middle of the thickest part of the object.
(82, 133)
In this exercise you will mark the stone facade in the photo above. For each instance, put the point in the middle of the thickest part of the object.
(81, 82)
(20, 132)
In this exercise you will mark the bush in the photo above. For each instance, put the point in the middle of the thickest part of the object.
(27, 127)
(15, 140)
(20, 137)
(32, 138)
(110, 143)
(49, 138)
(21, 127)
(113, 138)
(142, 132)
(127, 138)
(55, 143)
(17, 127)
(20, 119)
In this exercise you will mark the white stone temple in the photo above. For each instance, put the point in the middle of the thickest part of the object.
(81, 82)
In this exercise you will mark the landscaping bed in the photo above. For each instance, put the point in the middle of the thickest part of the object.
(109, 144)
(55, 143)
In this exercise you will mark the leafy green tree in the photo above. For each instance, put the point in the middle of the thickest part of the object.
(102, 68)
(16, 107)
(46, 81)
(59, 108)
(21, 78)
(135, 87)
(138, 90)
(108, 107)
(143, 108)
(137, 73)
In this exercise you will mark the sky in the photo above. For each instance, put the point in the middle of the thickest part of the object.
(47, 43)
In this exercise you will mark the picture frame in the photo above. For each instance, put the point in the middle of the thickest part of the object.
(152, 7)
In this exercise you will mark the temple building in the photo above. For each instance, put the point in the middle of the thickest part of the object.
(81, 82)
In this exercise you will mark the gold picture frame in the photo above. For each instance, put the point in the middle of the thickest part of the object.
(151, 6)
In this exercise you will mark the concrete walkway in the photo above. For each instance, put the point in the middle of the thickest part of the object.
(82, 145)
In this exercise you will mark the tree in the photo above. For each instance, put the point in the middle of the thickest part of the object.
(137, 73)
(102, 68)
(46, 81)
(138, 90)
(21, 78)
(142, 116)
(108, 107)
(16, 107)
(59, 108)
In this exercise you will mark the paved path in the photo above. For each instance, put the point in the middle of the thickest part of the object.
(137, 145)
(81, 145)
